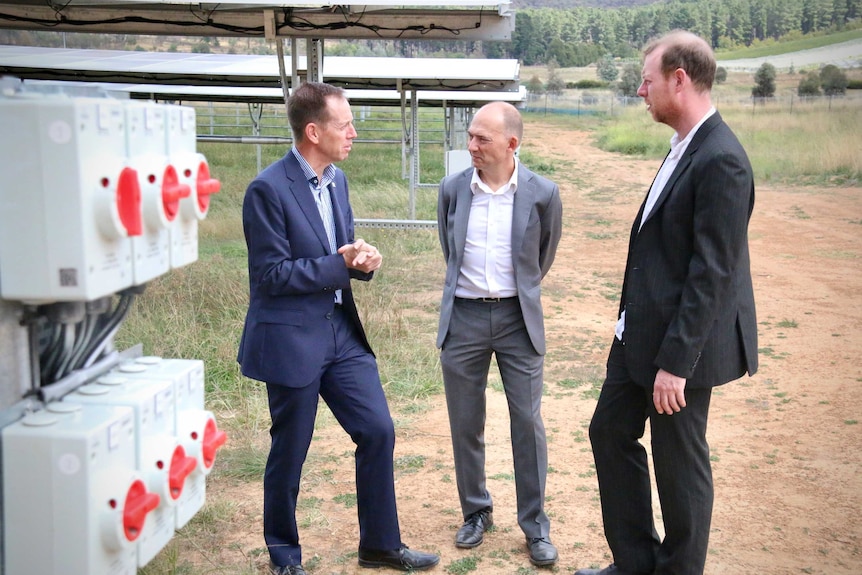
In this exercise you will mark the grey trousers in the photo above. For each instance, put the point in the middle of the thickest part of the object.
(476, 331)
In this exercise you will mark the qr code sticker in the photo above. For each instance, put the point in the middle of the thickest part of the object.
(68, 277)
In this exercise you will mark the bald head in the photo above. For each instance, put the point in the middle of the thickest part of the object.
(508, 117)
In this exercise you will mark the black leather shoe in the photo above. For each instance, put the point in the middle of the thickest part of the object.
(285, 569)
(609, 570)
(472, 533)
(542, 551)
(403, 558)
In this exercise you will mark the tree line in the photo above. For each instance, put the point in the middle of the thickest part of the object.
(582, 35)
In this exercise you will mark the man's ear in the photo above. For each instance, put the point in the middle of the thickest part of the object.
(680, 78)
(514, 143)
(312, 133)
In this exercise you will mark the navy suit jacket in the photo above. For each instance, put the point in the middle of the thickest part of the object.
(687, 290)
(292, 275)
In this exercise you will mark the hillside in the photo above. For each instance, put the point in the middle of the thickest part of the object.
(566, 4)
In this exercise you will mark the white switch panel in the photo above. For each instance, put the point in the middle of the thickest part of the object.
(146, 148)
(197, 429)
(182, 155)
(69, 201)
(73, 500)
(160, 459)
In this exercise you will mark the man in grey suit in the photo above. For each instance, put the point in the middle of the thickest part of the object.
(687, 323)
(499, 226)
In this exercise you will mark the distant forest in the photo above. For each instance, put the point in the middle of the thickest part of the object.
(568, 32)
(580, 36)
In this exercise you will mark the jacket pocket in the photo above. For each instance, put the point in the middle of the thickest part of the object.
(282, 316)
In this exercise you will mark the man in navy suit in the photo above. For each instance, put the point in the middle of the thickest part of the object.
(499, 226)
(687, 323)
(303, 336)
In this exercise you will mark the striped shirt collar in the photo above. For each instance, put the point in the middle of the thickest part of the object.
(328, 171)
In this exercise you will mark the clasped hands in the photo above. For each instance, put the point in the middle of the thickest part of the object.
(360, 255)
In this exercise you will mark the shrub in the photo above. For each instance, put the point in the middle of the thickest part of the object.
(764, 79)
(833, 80)
(607, 69)
(809, 85)
(587, 84)
(630, 81)
(720, 75)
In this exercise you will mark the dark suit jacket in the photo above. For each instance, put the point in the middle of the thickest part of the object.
(536, 229)
(292, 275)
(687, 290)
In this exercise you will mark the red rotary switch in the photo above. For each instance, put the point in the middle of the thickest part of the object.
(128, 197)
(172, 192)
(206, 186)
(213, 440)
(181, 468)
(139, 502)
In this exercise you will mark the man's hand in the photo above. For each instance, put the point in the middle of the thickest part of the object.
(668, 394)
(361, 256)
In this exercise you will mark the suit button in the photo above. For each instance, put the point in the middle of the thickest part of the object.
(329, 315)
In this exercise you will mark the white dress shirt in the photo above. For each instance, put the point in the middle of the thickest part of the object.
(487, 269)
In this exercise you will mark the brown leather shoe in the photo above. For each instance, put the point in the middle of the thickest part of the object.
(472, 533)
(403, 558)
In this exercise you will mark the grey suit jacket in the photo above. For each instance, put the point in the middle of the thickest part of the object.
(687, 290)
(536, 228)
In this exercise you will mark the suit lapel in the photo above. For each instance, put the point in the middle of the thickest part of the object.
(682, 165)
(463, 202)
(336, 193)
(521, 208)
(305, 198)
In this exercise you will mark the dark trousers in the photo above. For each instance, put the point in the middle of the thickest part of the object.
(349, 383)
(683, 474)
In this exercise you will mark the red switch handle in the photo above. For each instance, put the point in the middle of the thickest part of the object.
(172, 192)
(128, 197)
(139, 502)
(181, 468)
(206, 186)
(213, 439)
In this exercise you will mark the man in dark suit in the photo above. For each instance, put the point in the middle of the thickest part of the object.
(303, 336)
(499, 226)
(687, 323)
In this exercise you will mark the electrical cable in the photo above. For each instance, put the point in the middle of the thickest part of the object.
(106, 333)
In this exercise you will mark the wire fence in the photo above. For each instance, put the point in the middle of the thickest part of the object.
(604, 102)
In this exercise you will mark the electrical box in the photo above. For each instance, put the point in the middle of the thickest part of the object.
(73, 499)
(196, 427)
(69, 201)
(193, 171)
(160, 458)
(161, 191)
